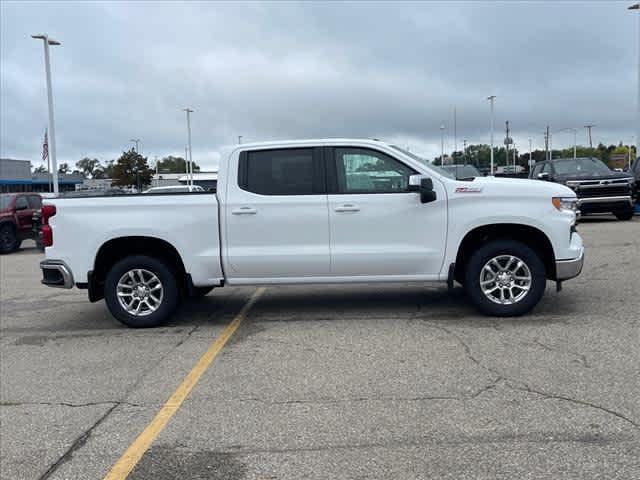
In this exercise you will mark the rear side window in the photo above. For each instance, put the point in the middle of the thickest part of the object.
(35, 202)
(292, 171)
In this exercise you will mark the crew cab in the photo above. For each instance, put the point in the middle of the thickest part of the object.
(316, 212)
(598, 188)
(16, 224)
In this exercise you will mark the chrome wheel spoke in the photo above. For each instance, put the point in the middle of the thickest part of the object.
(505, 279)
(139, 292)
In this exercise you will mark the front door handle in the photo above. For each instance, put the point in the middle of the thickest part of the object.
(347, 207)
(244, 211)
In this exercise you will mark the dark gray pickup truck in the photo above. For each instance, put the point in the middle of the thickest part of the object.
(598, 188)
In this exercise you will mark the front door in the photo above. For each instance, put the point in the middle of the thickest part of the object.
(276, 216)
(378, 226)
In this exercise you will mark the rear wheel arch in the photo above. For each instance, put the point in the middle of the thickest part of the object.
(116, 249)
(530, 236)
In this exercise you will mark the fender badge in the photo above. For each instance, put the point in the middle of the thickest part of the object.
(468, 190)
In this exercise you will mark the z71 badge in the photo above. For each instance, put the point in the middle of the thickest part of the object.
(468, 190)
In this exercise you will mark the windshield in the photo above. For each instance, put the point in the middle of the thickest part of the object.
(424, 161)
(580, 166)
(5, 201)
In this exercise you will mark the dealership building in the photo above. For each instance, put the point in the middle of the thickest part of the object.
(16, 176)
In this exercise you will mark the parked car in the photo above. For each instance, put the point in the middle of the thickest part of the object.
(598, 188)
(16, 212)
(175, 189)
(462, 172)
(635, 171)
(316, 211)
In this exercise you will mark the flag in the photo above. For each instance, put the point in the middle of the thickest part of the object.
(45, 147)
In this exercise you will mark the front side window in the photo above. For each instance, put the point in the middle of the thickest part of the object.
(360, 170)
(21, 203)
(278, 172)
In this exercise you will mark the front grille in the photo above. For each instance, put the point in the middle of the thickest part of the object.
(604, 191)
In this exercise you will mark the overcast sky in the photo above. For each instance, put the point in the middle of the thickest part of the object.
(393, 71)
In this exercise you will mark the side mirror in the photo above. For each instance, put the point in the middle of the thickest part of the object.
(424, 186)
(543, 176)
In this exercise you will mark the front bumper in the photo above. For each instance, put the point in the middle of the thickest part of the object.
(566, 269)
(604, 204)
(56, 273)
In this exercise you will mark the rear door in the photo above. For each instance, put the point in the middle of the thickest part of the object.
(276, 220)
(378, 226)
(24, 212)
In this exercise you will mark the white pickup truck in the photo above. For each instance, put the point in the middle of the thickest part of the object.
(313, 212)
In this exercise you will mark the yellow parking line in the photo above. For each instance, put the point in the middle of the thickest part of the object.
(137, 449)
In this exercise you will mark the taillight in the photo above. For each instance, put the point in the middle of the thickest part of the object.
(48, 211)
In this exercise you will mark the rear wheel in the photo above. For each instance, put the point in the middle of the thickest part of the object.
(141, 291)
(505, 278)
(8, 240)
(624, 215)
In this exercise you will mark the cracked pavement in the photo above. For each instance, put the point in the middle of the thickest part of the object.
(358, 381)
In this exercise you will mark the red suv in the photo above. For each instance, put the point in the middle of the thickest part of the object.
(16, 224)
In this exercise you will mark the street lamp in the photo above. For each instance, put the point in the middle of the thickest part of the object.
(492, 99)
(52, 129)
(637, 7)
(190, 164)
(442, 144)
(239, 139)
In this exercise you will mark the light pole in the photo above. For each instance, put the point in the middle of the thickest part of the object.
(239, 139)
(530, 155)
(442, 144)
(190, 169)
(52, 128)
(136, 141)
(637, 7)
(589, 127)
(492, 99)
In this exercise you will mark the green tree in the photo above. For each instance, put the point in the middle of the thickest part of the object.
(88, 166)
(173, 164)
(40, 169)
(64, 168)
(132, 170)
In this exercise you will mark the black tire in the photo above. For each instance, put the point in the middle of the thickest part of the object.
(495, 249)
(199, 292)
(8, 240)
(169, 284)
(624, 215)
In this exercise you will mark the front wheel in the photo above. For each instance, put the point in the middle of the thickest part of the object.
(505, 278)
(8, 239)
(141, 291)
(624, 215)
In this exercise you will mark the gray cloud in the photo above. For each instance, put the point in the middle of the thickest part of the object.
(285, 70)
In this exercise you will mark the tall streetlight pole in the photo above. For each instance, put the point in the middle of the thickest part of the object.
(589, 127)
(530, 155)
(442, 144)
(492, 99)
(136, 142)
(189, 112)
(637, 7)
(52, 128)
(239, 139)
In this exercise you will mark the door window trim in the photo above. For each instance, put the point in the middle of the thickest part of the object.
(319, 185)
(331, 161)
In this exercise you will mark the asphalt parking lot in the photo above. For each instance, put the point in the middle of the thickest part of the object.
(394, 382)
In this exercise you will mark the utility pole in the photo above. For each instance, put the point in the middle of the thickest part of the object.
(637, 8)
(547, 143)
(52, 127)
(464, 143)
(455, 130)
(157, 173)
(589, 127)
(136, 142)
(530, 155)
(492, 100)
(507, 142)
(190, 165)
(442, 144)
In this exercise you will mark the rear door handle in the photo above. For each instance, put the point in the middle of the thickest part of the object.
(347, 207)
(244, 211)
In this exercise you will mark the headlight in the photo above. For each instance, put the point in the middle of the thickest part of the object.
(569, 204)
